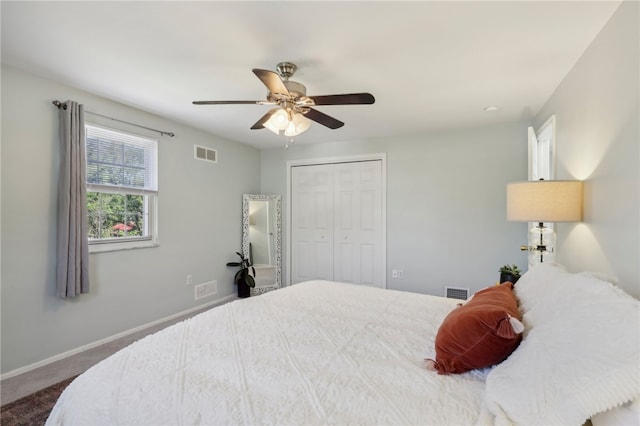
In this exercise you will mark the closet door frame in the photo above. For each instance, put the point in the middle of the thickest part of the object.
(382, 157)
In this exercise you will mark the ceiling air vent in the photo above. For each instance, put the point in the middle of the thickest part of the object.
(456, 293)
(205, 154)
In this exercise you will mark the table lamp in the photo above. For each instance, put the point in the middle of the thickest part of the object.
(544, 201)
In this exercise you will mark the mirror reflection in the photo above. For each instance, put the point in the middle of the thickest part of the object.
(261, 239)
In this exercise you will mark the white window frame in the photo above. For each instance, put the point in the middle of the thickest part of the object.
(542, 151)
(151, 205)
(542, 161)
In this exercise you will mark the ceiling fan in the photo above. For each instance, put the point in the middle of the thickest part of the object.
(294, 108)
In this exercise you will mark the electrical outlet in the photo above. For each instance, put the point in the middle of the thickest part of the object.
(394, 273)
(400, 274)
(189, 279)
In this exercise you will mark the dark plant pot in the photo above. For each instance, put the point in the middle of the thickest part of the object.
(243, 289)
(506, 276)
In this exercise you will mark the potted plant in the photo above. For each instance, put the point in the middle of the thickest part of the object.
(509, 273)
(243, 278)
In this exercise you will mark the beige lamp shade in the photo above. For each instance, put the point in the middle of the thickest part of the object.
(544, 201)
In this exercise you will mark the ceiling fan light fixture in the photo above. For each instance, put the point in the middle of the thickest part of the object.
(290, 130)
(269, 125)
(280, 119)
(298, 124)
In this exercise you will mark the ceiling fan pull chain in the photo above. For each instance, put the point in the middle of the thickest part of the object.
(291, 142)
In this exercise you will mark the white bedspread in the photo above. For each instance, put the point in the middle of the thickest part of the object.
(313, 353)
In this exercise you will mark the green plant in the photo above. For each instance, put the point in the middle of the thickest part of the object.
(243, 275)
(511, 270)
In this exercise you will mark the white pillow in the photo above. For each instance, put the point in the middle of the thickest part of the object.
(601, 276)
(581, 355)
(533, 286)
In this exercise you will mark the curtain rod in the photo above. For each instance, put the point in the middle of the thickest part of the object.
(64, 106)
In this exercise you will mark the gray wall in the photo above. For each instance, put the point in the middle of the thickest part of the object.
(200, 208)
(596, 108)
(446, 198)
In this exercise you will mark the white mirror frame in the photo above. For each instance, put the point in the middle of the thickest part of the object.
(276, 199)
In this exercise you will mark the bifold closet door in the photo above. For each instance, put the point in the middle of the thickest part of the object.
(357, 248)
(336, 223)
(312, 223)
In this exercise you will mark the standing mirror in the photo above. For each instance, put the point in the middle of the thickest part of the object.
(262, 239)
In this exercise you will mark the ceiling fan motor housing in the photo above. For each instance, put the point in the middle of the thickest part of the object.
(286, 69)
(295, 88)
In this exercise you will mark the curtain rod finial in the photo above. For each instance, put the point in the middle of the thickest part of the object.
(59, 104)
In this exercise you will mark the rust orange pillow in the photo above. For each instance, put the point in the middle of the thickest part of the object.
(479, 333)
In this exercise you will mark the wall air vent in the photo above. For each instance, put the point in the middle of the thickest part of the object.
(206, 289)
(456, 293)
(205, 154)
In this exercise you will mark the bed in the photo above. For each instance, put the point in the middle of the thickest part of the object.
(332, 353)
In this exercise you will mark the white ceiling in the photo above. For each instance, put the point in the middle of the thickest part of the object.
(430, 65)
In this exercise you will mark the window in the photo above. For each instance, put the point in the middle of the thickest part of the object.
(542, 151)
(542, 165)
(121, 189)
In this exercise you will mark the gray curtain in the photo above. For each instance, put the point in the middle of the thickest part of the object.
(73, 245)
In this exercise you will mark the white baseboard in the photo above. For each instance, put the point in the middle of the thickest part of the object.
(95, 344)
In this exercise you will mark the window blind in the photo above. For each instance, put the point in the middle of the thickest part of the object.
(120, 162)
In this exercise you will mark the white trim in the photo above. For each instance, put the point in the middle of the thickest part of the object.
(97, 343)
(551, 122)
(533, 135)
(114, 245)
(532, 142)
(114, 189)
(380, 156)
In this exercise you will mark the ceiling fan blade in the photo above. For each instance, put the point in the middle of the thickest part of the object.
(324, 119)
(260, 123)
(228, 102)
(272, 80)
(345, 99)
